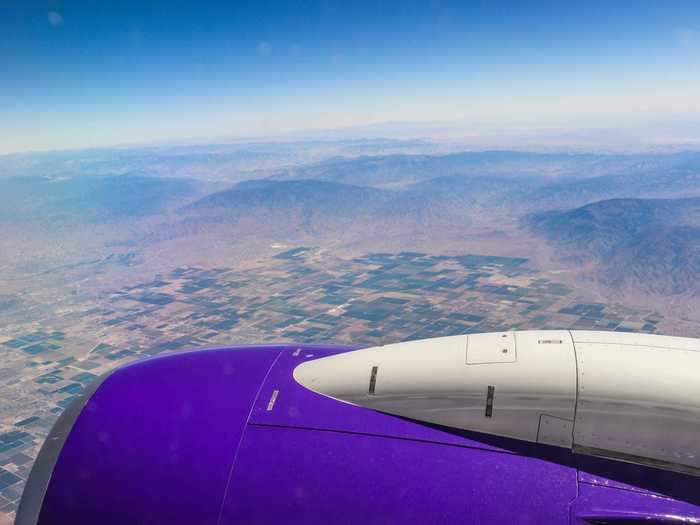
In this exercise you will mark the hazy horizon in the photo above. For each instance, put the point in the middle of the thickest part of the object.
(641, 136)
(79, 75)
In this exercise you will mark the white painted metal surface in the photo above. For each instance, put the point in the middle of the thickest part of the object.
(639, 398)
(634, 397)
(445, 381)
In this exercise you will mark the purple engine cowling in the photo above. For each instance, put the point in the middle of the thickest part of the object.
(226, 436)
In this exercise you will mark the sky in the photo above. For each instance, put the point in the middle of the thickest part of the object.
(89, 73)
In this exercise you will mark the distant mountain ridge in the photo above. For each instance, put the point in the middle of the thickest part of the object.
(598, 211)
(401, 170)
(302, 207)
(646, 244)
(450, 197)
(272, 196)
(676, 182)
(87, 199)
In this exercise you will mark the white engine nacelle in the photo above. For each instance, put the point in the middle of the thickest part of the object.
(633, 397)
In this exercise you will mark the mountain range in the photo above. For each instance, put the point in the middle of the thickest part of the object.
(650, 245)
(601, 212)
(47, 200)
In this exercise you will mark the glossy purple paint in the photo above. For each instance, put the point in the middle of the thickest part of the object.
(194, 438)
(156, 442)
(332, 477)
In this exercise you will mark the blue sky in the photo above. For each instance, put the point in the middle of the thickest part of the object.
(88, 73)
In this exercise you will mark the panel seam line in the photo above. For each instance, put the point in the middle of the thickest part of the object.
(240, 441)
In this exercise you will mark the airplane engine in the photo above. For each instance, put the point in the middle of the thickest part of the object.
(330, 434)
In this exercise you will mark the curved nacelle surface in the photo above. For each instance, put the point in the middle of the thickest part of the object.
(634, 397)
